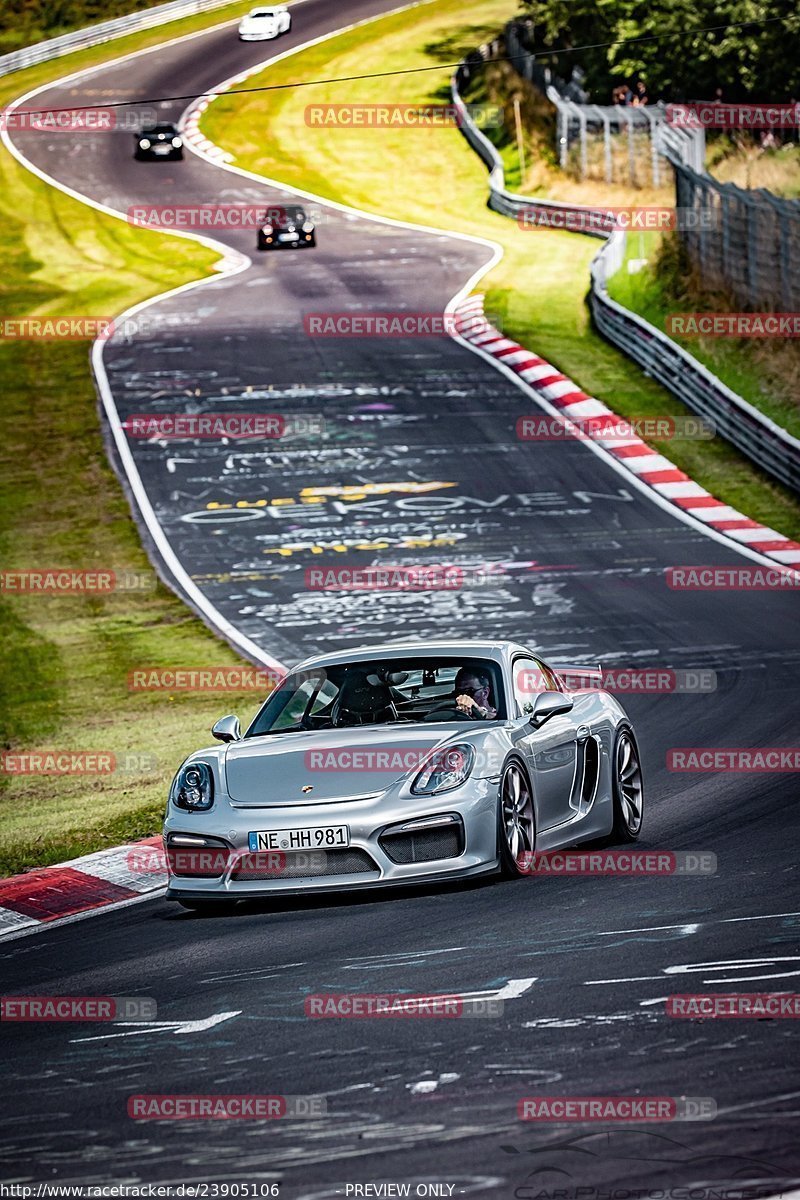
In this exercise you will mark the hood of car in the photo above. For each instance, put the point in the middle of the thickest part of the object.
(256, 23)
(330, 765)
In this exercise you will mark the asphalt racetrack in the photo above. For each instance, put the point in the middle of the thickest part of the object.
(426, 430)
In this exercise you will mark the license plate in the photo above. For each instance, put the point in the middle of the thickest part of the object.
(318, 837)
(288, 237)
(162, 149)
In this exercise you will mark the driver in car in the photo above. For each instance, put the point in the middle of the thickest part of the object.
(473, 695)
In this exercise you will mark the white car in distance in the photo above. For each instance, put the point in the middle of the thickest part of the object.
(264, 23)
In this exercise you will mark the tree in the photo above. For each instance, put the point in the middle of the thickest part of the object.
(757, 61)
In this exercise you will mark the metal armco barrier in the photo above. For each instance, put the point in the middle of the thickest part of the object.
(105, 31)
(764, 442)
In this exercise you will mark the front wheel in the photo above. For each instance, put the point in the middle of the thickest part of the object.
(517, 832)
(627, 787)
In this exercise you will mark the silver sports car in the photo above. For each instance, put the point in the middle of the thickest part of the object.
(402, 763)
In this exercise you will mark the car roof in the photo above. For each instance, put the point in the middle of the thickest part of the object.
(159, 126)
(498, 651)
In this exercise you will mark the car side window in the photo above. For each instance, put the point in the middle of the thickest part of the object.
(530, 677)
(298, 707)
(527, 683)
(295, 709)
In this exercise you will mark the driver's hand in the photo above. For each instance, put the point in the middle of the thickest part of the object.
(465, 703)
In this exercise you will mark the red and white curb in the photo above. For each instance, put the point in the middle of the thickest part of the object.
(124, 873)
(647, 464)
(192, 135)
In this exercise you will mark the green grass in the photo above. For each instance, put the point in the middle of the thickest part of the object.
(749, 165)
(432, 177)
(64, 661)
(766, 373)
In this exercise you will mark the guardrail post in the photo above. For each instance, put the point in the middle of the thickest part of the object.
(631, 147)
(752, 248)
(607, 147)
(655, 166)
(563, 140)
(726, 234)
(786, 263)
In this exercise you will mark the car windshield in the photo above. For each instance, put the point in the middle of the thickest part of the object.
(381, 692)
(284, 214)
(263, 12)
(156, 129)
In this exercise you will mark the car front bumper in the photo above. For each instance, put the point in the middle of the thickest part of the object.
(475, 804)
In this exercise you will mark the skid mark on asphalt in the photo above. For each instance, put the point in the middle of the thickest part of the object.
(414, 958)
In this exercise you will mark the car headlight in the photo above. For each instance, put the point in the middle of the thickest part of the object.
(144, 143)
(445, 769)
(193, 787)
(176, 141)
(266, 229)
(308, 227)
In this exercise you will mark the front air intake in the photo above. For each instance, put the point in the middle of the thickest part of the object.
(423, 841)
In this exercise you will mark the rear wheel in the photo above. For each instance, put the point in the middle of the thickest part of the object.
(517, 822)
(627, 787)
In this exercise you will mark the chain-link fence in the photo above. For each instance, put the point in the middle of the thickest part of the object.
(749, 244)
(614, 143)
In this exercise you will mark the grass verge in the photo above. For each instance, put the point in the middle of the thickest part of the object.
(64, 661)
(764, 372)
(434, 178)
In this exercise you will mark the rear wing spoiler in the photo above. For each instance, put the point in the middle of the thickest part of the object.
(577, 676)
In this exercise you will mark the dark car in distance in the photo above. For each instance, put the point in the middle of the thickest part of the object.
(159, 141)
(286, 225)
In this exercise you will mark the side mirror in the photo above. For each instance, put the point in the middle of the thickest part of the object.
(227, 729)
(547, 705)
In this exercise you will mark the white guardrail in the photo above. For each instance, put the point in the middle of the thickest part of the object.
(105, 31)
(765, 443)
